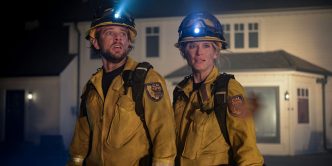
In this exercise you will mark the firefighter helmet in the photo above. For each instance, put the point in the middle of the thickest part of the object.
(113, 17)
(201, 26)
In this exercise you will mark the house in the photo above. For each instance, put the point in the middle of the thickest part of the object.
(276, 49)
(290, 92)
(31, 81)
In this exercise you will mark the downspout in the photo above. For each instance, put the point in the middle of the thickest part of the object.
(323, 81)
(78, 67)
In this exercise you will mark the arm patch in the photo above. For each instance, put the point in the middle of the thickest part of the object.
(154, 91)
(237, 106)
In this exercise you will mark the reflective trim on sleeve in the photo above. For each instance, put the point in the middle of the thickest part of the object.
(162, 162)
(78, 159)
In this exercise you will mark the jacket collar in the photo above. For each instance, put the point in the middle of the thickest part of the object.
(117, 83)
(188, 87)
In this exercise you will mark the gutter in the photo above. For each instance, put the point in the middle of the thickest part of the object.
(323, 81)
(78, 68)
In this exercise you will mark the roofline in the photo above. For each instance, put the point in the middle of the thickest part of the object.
(327, 73)
(273, 10)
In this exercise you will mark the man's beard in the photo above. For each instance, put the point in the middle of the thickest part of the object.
(112, 58)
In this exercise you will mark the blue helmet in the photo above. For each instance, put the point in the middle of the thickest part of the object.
(113, 17)
(201, 26)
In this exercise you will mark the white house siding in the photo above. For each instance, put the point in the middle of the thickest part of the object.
(68, 104)
(294, 138)
(42, 113)
(328, 116)
(304, 33)
(307, 137)
(280, 80)
(169, 58)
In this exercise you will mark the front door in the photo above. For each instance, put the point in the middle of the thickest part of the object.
(14, 126)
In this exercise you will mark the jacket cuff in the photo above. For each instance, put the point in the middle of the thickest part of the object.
(162, 162)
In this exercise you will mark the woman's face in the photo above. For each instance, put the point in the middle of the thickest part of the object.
(200, 55)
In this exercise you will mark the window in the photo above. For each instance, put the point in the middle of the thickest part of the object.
(253, 35)
(227, 28)
(152, 41)
(239, 35)
(267, 117)
(302, 105)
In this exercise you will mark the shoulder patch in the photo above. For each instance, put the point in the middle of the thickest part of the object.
(237, 107)
(154, 91)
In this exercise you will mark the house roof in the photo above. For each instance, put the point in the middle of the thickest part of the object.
(258, 61)
(84, 10)
(38, 52)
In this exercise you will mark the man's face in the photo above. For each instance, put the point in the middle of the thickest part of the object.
(200, 55)
(113, 42)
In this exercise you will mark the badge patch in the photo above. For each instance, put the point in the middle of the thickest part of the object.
(154, 91)
(237, 107)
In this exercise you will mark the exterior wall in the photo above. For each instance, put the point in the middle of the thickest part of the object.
(328, 115)
(169, 58)
(304, 33)
(294, 138)
(270, 79)
(42, 113)
(87, 66)
(68, 101)
(307, 137)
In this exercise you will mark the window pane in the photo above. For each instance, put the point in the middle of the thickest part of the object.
(152, 46)
(227, 38)
(156, 30)
(148, 30)
(303, 110)
(267, 117)
(250, 26)
(253, 40)
(256, 26)
(241, 27)
(239, 40)
(236, 27)
(228, 27)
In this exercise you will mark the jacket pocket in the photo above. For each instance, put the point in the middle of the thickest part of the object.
(213, 141)
(195, 134)
(125, 124)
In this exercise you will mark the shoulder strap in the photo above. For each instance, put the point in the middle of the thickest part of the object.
(88, 87)
(83, 111)
(177, 92)
(136, 80)
(220, 108)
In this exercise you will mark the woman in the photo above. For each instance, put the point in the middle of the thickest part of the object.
(199, 137)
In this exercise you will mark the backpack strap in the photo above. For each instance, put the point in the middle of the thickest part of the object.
(178, 92)
(83, 111)
(220, 108)
(136, 79)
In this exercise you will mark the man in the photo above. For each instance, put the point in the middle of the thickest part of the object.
(199, 137)
(108, 130)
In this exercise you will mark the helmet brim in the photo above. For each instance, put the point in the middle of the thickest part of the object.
(194, 39)
(91, 33)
